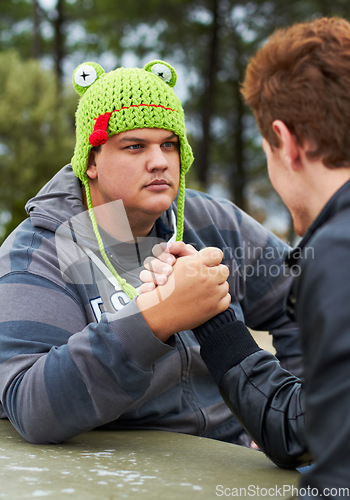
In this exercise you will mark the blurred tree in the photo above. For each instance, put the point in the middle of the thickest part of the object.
(36, 132)
(37, 30)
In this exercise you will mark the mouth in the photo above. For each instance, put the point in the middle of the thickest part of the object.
(158, 185)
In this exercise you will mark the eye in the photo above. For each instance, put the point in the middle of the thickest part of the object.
(85, 75)
(170, 144)
(162, 71)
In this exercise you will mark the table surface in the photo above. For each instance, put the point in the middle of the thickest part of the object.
(137, 464)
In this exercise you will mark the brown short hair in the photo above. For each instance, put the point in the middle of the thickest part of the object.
(302, 77)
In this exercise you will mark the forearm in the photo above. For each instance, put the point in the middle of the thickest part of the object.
(266, 399)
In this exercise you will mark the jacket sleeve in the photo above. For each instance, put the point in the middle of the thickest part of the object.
(322, 309)
(266, 399)
(60, 376)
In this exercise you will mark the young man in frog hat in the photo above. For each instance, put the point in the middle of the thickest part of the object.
(79, 349)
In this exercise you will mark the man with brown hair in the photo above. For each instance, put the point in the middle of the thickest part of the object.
(298, 88)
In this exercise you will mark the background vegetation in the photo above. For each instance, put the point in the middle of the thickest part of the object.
(208, 42)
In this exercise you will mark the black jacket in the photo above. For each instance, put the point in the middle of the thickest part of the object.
(293, 421)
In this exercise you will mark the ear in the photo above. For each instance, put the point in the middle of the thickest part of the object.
(91, 170)
(290, 149)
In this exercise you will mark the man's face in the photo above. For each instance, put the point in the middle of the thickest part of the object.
(140, 167)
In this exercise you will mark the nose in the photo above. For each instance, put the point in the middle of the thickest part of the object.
(156, 159)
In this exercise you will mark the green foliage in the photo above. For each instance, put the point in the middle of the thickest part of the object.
(36, 132)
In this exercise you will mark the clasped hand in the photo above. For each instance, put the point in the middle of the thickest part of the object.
(182, 288)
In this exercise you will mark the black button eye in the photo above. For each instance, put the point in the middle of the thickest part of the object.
(162, 71)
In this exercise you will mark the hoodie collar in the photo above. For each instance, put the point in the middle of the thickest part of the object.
(58, 201)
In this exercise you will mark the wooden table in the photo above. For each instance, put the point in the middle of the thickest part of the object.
(137, 465)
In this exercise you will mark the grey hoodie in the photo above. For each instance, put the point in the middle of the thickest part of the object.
(76, 354)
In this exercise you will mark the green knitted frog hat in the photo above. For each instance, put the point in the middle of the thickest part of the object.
(121, 100)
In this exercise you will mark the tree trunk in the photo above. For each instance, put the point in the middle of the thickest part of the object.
(208, 99)
(238, 179)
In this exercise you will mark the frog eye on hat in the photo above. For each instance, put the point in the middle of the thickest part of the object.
(85, 75)
(163, 70)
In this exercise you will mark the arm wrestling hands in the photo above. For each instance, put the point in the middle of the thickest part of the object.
(193, 288)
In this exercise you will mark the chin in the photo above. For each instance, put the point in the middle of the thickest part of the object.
(160, 205)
